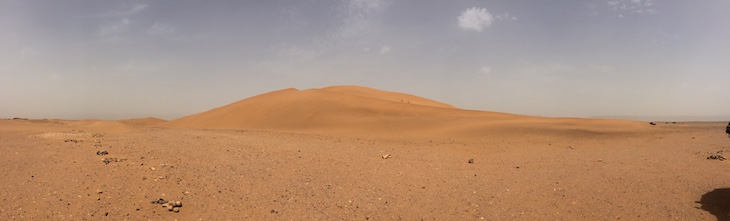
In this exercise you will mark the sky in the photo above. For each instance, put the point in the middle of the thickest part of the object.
(84, 59)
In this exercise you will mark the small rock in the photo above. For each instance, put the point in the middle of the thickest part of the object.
(102, 153)
(176, 209)
(716, 157)
(471, 160)
(113, 159)
(152, 168)
(177, 204)
(386, 156)
(159, 201)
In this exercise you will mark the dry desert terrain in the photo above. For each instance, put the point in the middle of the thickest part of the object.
(355, 153)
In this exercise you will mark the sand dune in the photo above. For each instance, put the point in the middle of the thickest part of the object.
(149, 121)
(365, 111)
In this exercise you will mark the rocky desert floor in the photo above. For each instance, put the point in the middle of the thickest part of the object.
(64, 170)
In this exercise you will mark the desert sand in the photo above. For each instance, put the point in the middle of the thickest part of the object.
(357, 153)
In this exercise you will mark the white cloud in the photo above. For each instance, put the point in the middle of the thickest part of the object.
(485, 69)
(159, 29)
(359, 20)
(475, 19)
(632, 7)
(367, 6)
(137, 8)
(124, 12)
(505, 16)
(115, 27)
(384, 49)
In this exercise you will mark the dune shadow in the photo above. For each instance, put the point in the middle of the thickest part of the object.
(717, 202)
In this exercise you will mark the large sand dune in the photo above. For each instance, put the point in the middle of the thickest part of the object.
(364, 111)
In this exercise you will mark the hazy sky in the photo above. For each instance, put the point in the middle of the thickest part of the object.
(168, 59)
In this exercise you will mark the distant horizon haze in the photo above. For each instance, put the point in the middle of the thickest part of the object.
(634, 118)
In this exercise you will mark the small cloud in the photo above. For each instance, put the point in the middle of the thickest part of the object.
(137, 8)
(159, 29)
(54, 77)
(127, 11)
(475, 19)
(359, 18)
(114, 28)
(384, 50)
(632, 7)
(485, 69)
(367, 6)
(506, 16)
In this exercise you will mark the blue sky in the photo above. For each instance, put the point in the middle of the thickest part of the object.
(168, 59)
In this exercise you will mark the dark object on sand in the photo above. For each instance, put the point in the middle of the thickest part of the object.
(652, 123)
(727, 129)
(716, 156)
(159, 201)
(716, 203)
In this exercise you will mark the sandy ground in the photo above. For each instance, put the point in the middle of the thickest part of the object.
(354, 153)
(51, 171)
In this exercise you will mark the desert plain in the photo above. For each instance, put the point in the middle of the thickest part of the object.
(356, 153)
